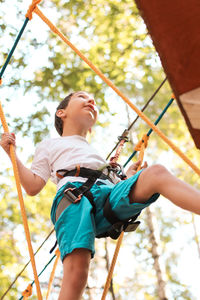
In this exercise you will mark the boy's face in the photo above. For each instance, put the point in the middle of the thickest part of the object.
(82, 108)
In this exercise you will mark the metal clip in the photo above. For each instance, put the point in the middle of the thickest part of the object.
(132, 226)
(70, 195)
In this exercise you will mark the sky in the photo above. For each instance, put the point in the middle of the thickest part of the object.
(188, 256)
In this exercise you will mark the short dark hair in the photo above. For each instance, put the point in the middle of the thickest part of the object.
(58, 121)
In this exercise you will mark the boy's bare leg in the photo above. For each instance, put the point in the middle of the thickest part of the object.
(157, 179)
(75, 274)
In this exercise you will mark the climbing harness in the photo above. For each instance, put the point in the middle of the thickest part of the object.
(73, 195)
(118, 226)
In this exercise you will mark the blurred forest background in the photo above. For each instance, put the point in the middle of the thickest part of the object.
(161, 259)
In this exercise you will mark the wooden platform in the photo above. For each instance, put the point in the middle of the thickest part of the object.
(174, 26)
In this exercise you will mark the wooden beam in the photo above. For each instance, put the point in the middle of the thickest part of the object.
(174, 26)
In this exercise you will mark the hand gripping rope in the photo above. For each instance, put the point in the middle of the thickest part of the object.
(14, 162)
(21, 201)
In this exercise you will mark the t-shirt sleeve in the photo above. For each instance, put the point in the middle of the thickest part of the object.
(40, 165)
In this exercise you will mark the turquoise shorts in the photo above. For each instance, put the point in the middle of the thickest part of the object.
(77, 226)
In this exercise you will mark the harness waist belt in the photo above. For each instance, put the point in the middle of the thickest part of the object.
(83, 172)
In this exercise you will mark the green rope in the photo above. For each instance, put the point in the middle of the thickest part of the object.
(19, 274)
(13, 48)
(143, 109)
(41, 272)
(150, 130)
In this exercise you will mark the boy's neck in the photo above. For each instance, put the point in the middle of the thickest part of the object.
(69, 131)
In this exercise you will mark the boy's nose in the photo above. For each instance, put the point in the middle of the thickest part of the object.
(91, 100)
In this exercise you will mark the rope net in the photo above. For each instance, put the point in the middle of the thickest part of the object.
(118, 92)
(139, 147)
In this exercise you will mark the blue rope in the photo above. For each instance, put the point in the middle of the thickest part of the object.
(150, 130)
(13, 48)
(41, 272)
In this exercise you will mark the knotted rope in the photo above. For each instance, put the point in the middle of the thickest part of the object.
(31, 9)
(141, 146)
(27, 292)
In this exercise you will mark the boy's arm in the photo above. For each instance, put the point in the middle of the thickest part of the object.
(31, 182)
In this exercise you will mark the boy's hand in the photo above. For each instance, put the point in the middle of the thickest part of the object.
(6, 140)
(132, 170)
(31, 182)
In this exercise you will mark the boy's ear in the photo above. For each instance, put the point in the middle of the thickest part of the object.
(60, 113)
(90, 130)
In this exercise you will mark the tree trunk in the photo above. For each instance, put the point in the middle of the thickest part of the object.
(132, 134)
(156, 256)
(196, 234)
(89, 293)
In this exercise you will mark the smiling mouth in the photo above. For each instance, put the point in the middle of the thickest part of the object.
(91, 111)
(90, 108)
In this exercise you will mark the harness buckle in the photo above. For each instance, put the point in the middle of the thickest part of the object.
(71, 196)
(132, 226)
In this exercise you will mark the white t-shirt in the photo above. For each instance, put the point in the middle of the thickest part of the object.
(66, 152)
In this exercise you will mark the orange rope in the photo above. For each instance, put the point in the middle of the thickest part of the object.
(28, 292)
(112, 266)
(141, 147)
(31, 9)
(21, 201)
(109, 83)
(57, 252)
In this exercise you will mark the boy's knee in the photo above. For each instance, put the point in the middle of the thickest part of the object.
(157, 170)
(76, 269)
(157, 173)
(79, 278)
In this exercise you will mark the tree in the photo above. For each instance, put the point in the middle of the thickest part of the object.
(115, 39)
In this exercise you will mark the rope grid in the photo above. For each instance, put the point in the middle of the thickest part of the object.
(139, 147)
(118, 92)
(143, 109)
(25, 266)
(42, 271)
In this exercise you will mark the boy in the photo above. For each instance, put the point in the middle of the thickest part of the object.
(77, 224)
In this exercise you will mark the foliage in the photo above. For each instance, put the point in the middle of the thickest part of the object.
(112, 35)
